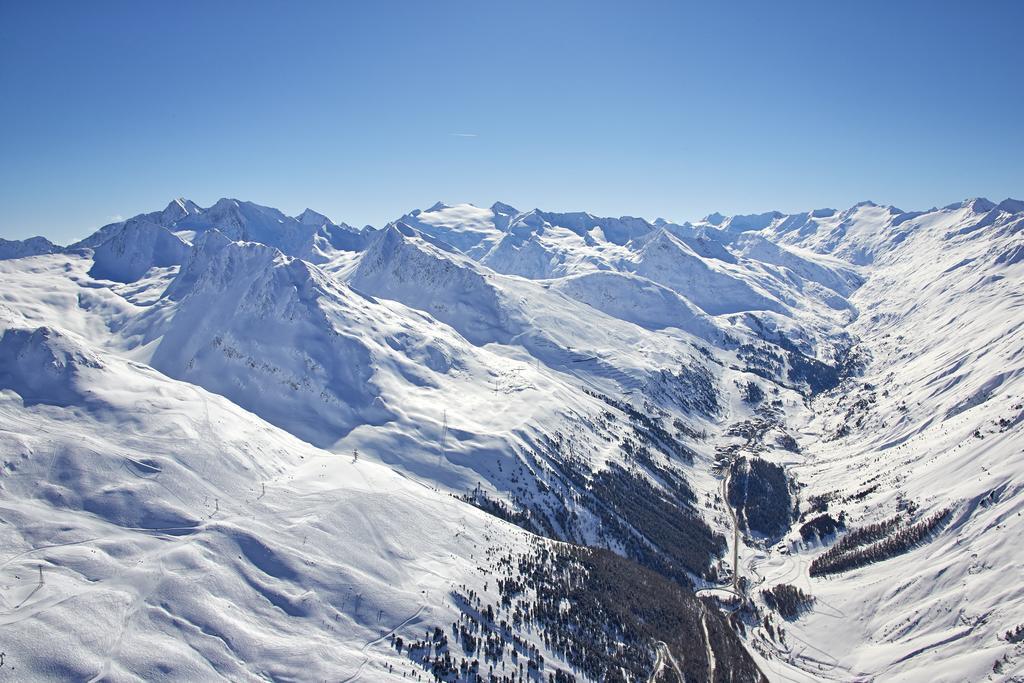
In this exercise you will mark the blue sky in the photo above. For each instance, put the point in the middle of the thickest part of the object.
(364, 110)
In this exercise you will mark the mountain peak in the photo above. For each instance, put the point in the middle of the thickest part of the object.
(752, 221)
(225, 203)
(1011, 205)
(183, 205)
(974, 204)
(503, 208)
(32, 246)
(177, 209)
(393, 233)
(311, 217)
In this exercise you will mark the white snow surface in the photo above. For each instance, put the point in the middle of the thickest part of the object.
(183, 395)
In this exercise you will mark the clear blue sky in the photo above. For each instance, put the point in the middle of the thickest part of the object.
(364, 110)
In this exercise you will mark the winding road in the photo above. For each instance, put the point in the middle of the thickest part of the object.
(665, 657)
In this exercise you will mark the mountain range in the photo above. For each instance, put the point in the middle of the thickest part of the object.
(492, 444)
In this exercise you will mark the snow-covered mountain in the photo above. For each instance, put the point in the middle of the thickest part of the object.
(244, 445)
(33, 246)
(310, 235)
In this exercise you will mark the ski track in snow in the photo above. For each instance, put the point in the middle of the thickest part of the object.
(375, 641)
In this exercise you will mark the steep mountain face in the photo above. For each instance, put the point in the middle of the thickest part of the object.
(668, 261)
(754, 446)
(400, 265)
(267, 331)
(136, 248)
(637, 300)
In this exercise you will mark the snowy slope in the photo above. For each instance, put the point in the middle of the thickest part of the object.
(186, 538)
(168, 534)
(444, 393)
